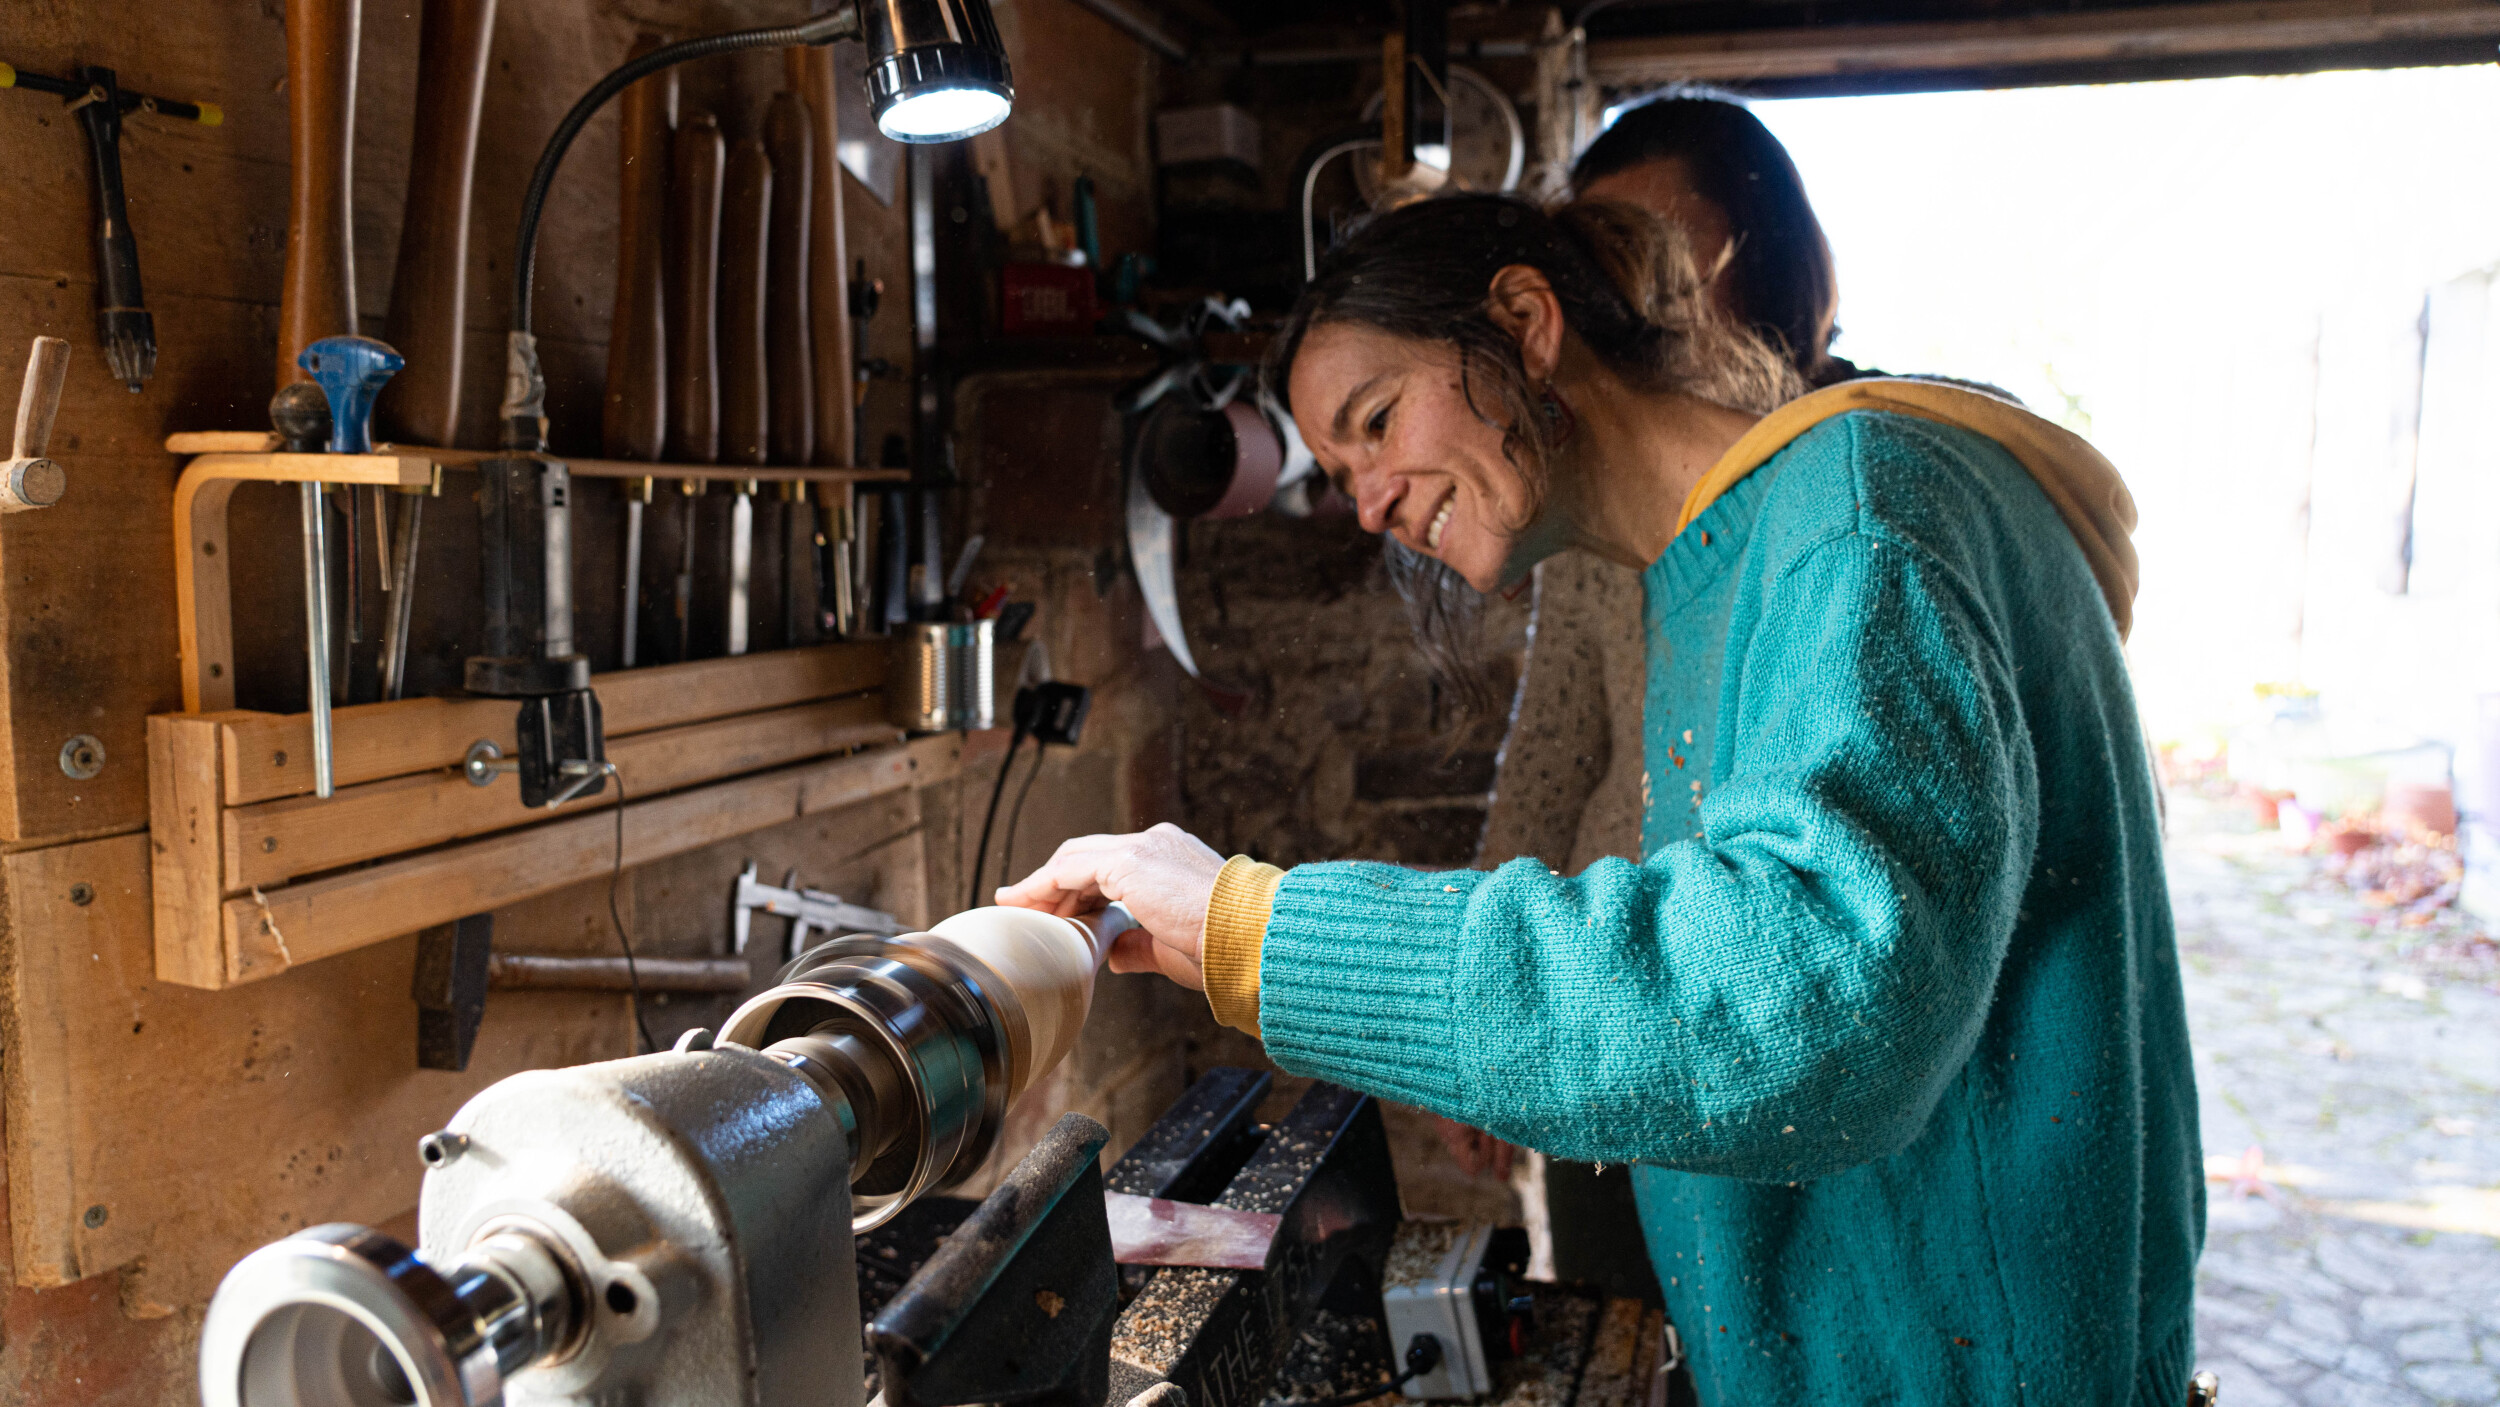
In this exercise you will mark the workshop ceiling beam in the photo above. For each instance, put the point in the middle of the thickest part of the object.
(2115, 45)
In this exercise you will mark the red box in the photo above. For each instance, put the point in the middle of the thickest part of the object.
(1047, 300)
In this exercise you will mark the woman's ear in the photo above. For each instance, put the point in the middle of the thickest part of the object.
(1522, 304)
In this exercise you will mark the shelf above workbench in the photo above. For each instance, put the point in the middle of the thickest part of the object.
(233, 445)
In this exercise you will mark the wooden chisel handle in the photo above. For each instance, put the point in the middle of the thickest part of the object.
(634, 422)
(319, 295)
(810, 72)
(789, 340)
(694, 269)
(746, 414)
(429, 295)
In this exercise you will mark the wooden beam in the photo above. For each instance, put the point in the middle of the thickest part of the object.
(2124, 35)
(271, 843)
(263, 444)
(184, 844)
(266, 933)
(269, 755)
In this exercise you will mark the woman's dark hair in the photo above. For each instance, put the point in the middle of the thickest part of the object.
(1628, 290)
(1782, 266)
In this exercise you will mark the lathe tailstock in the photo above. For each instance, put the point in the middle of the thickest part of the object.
(677, 1228)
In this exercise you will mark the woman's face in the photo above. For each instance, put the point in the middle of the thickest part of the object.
(1390, 423)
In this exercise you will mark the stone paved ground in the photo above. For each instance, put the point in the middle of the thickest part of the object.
(2363, 1058)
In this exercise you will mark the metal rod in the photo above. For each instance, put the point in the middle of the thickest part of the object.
(741, 565)
(317, 631)
(633, 575)
(685, 577)
(1351, 54)
(343, 655)
(395, 627)
(531, 971)
(381, 542)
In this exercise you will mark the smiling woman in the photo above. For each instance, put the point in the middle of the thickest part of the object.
(1889, 1017)
(1415, 360)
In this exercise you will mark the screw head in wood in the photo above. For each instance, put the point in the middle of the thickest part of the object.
(82, 756)
(95, 1216)
(82, 894)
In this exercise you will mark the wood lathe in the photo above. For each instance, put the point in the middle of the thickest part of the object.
(676, 1227)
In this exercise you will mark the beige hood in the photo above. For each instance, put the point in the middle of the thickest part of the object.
(2087, 491)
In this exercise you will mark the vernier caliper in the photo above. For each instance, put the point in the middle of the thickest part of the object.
(808, 910)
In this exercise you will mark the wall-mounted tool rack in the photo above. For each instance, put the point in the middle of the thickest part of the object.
(222, 460)
(253, 874)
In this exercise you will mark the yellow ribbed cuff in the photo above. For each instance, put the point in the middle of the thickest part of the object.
(1237, 911)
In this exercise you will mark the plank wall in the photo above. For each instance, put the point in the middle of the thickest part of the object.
(190, 1126)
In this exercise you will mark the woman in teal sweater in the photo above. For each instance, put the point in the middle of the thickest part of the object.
(1889, 1019)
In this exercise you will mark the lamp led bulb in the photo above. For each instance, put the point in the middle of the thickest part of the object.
(943, 114)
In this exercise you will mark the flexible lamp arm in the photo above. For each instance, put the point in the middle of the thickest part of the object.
(525, 391)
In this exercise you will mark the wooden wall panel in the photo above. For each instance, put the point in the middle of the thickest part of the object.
(151, 1123)
(207, 1122)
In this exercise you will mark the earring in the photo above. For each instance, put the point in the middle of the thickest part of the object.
(1557, 414)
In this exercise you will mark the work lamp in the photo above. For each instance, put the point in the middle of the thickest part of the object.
(936, 73)
(936, 69)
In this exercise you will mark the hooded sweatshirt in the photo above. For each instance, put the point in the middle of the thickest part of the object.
(1889, 1018)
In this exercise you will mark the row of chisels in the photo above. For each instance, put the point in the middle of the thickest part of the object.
(729, 342)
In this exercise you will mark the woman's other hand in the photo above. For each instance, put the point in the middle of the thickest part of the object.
(1164, 876)
(1475, 1150)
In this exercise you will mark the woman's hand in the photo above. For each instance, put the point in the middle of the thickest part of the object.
(1475, 1150)
(1165, 877)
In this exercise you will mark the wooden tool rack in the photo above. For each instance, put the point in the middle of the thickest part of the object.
(254, 875)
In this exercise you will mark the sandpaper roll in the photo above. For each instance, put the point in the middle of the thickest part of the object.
(746, 414)
(810, 72)
(430, 292)
(789, 340)
(319, 294)
(634, 418)
(695, 160)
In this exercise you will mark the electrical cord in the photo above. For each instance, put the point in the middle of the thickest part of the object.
(616, 876)
(980, 857)
(1015, 813)
(1423, 1354)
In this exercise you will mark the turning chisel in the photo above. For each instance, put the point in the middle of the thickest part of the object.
(696, 157)
(318, 298)
(746, 413)
(634, 424)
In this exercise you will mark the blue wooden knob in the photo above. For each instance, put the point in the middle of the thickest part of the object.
(352, 372)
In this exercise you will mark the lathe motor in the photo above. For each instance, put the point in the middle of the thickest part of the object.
(674, 1228)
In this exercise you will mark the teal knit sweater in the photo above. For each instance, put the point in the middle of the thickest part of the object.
(1890, 1018)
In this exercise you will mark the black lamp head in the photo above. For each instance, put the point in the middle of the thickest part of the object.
(937, 71)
